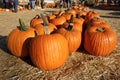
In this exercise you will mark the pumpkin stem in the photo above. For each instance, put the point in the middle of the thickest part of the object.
(59, 13)
(66, 11)
(78, 16)
(22, 25)
(46, 31)
(36, 34)
(97, 18)
(100, 30)
(37, 16)
(70, 27)
(71, 19)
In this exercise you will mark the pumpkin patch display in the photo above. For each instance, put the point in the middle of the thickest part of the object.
(99, 41)
(49, 51)
(18, 40)
(50, 39)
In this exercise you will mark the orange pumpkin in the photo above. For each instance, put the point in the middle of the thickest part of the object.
(58, 21)
(76, 25)
(49, 51)
(40, 28)
(58, 12)
(96, 21)
(79, 19)
(91, 14)
(73, 36)
(67, 15)
(50, 17)
(18, 40)
(82, 14)
(36, 20)
(99, 41)
(73, 12)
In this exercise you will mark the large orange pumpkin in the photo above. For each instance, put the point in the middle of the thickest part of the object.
(49, 51)
(99, 41)
(18, 40)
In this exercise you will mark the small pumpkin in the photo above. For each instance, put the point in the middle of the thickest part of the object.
(50, 17)
(99, 41)
(98, 22)
(73, 12)
(36, 20)
(18, 40)
(40, 28)
(58, 12)
(67, 15)
(82, 14)
(76, 25)
(79, 19)
(91, 14)
(58, 21)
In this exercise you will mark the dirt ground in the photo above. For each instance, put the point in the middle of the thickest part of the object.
(79, 66)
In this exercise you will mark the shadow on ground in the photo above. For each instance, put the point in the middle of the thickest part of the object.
(115, 13)
(111, 17)
(3, 44)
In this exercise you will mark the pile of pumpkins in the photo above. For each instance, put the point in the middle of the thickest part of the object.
(50, 39)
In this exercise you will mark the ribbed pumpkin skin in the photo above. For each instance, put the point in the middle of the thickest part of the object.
(49, 51)
(99, 43)
(73, 37)
(18, 42)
